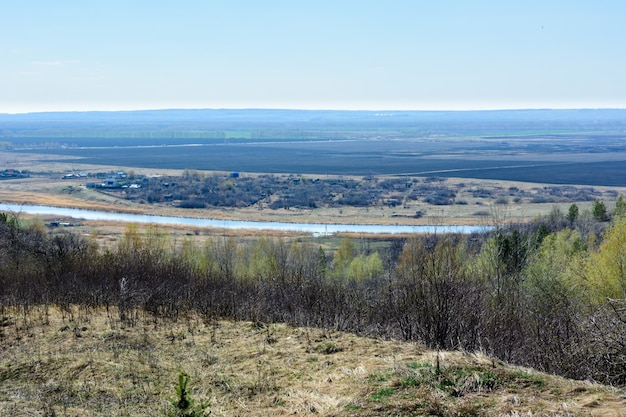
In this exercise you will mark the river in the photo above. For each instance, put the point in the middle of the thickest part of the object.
(312, 228)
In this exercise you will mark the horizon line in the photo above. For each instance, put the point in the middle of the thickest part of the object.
(440, 110)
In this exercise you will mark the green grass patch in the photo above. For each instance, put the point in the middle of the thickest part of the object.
(535, 380)
(409, 382)
(382, 394)
(379, 377)
(415, 365)
(352, 407)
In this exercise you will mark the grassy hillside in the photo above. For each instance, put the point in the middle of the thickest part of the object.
(81, 362)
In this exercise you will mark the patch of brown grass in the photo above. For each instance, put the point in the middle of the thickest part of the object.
(86, 362)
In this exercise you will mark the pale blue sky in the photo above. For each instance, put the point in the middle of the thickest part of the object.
(322, 54)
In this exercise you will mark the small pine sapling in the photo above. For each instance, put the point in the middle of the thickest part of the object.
(184, 404)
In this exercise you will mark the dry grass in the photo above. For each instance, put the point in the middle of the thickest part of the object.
(87, 363)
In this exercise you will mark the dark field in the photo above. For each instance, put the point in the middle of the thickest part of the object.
(566, 166)
(562, 147)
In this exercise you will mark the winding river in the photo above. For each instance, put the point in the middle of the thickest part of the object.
(313, 228)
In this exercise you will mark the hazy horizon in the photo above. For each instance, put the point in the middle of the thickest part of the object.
(309, 109)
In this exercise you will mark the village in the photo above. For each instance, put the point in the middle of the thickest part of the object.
(403, 195)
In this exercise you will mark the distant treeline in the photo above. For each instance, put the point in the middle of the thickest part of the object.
(304, 123)
(550, 295)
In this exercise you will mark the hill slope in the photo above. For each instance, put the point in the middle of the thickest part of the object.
(88, 363)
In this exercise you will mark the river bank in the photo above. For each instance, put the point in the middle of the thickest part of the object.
(310, 228)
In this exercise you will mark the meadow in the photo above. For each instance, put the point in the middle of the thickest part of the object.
(88, 363)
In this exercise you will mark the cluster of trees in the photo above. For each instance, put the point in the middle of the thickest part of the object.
(194, 189)
(551, 295)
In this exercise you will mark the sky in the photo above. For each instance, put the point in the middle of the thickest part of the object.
(67, 55)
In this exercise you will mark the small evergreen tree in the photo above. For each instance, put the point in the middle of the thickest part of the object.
(599, 211)
(184, 404)
(572, 213)
(620, 206)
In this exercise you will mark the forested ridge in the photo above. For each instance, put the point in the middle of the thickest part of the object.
(549, 295)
